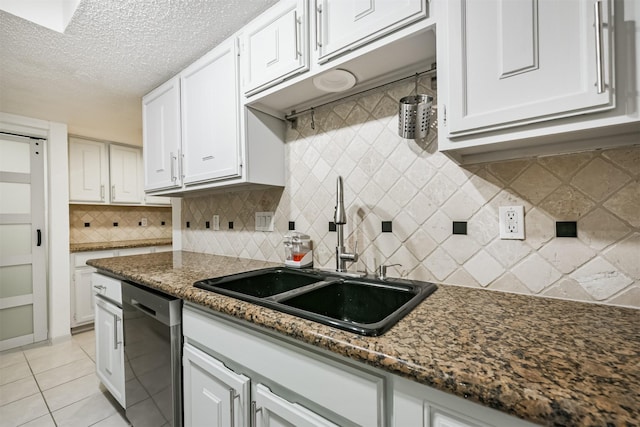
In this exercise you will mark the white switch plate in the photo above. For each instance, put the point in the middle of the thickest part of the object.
(143, 222)
(264, 221)
(511, 222)
(216, 222)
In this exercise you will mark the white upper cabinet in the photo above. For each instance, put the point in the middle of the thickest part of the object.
(536, 77)
(161, 136)
(275, 45)
(88, 171)
(210, 116)
(526, 61)
(345, 25)
(125, 165)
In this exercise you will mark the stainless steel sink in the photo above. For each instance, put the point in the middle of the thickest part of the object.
(364, 306)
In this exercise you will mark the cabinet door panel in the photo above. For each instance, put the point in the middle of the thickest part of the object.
(161, 136)
(109, 348)
(348, 24)
(126, 174)
(212, 392)
(88, 171)
(83, 295)
(275, 45)
(210, 112)
(274, 411)
(520, 62)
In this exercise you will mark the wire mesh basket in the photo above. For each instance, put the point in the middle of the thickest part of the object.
(414, 116)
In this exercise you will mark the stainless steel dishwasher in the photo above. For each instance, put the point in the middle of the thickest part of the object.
(153, 351)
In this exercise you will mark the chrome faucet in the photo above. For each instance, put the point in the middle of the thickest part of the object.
(340, 219)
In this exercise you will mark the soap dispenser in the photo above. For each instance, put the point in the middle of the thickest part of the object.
(297, 249)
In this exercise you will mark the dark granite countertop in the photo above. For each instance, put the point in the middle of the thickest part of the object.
(119, 244)
(549, 361)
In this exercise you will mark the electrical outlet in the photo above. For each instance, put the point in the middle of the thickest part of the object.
(143, 222)
(511, 222)
(216, 222)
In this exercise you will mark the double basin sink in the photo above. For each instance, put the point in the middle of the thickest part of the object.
(361, 305)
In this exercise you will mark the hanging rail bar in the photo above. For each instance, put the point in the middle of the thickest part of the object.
(295, 114)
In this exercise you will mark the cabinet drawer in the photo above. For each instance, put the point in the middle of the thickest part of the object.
(81, 258)
(340, 388)
(107, 286)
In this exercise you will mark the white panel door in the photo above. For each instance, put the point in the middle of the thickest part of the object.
(125, 166)
(517, 62)
(23, 287)
(210, 116)
(343, 25)
(88, 171)
(213, 394)
(161, 136)
(109, 348)
(82, 297)
(272, 410)
(275, 45)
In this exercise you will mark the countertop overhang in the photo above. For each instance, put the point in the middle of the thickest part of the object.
(118, 244)
(549, 361)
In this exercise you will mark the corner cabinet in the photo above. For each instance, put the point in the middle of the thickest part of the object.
(125, 172)
(525, 78)
(197, 135)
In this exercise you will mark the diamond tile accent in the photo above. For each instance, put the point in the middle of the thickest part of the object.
(422, 191)
(599, 179)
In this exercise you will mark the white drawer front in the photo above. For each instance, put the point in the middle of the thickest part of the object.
(107, 286)
(353, 394)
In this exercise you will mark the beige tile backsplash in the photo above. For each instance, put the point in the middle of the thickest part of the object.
(102, 217)
(423, 191)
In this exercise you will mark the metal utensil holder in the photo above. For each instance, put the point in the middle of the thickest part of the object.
(414, 115)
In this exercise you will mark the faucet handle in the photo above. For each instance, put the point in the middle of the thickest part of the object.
(382, 270)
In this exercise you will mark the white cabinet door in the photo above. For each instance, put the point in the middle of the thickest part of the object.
(126, 174)
(213, 394)
(520, 62)
(210, 116)
(88, 171)
(161, 136)
(275, 45)
(83, 297)
(344, 25)
(271, 410)
(109, 348)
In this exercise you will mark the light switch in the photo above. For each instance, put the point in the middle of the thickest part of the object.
(264, 221)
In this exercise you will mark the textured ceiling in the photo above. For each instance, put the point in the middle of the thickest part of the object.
(113, 51)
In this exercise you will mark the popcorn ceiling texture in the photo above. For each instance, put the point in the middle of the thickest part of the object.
(102, 217)
(422, 192)
(111, 54)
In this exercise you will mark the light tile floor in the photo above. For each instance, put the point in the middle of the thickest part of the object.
(56, 385)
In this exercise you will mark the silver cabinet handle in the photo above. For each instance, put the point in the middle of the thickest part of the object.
(597, 10)
(99, 287)
(254, 411)
(115, 331)
(113, 192)
(174, 159)
(318, 25)
(102, 192)
(181, 164)
(296, 28)
(232, 406)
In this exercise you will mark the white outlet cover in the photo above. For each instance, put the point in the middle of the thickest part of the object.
(511, 222)
(216, 223)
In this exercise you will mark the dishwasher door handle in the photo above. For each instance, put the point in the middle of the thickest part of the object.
(143, 308)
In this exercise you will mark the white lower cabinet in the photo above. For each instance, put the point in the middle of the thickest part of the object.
(110, 348)
(213, 394)
(268, 380)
